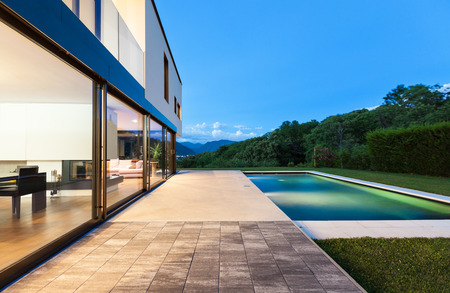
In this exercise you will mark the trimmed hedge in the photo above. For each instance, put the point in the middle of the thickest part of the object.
(356, 158)
(418, 149)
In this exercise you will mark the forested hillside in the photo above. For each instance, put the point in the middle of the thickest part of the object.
(339, 140)
(183, 150)
(212, 146)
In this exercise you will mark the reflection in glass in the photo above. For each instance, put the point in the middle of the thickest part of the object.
(156, 152)
(46, 147)
(130, 54)
(124, 151)
(110, 27)
(112, 31)
(168, 153)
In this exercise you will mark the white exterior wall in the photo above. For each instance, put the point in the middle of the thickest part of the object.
(46, 132)
(156, 47)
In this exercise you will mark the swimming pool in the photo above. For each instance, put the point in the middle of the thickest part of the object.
(304, 197)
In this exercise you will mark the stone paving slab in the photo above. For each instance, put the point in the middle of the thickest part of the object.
(186, 256)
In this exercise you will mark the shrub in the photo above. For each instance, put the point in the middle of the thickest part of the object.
(417, 149)
(324, 157)
(291, 164)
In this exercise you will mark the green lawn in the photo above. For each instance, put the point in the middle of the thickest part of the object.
(439, 185)
(394, 264)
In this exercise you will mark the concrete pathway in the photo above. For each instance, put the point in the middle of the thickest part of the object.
(183, 238)
(205, 196)
(384, 229)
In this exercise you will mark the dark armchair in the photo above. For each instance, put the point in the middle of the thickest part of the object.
(29, 181)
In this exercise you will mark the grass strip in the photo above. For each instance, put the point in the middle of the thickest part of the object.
(394, 264)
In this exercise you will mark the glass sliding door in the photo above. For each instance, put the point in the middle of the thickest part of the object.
(46, 123)
(157, 148)
(169, 151)
(124, 151)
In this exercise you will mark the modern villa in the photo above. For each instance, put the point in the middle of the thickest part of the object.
(90, 108)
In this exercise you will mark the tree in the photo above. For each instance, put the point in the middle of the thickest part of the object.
(416, 104)
(290, 140)
(409, 97)
(343, 134)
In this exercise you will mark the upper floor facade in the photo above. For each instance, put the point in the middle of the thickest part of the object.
(122, 41)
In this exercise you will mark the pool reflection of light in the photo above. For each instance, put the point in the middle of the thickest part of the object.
(309, 197)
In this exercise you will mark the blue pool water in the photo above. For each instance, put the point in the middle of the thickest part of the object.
(310, 197)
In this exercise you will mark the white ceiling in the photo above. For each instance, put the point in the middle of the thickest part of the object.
(29, 74)
(127, 119)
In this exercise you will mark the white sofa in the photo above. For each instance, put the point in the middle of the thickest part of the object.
(126, 168)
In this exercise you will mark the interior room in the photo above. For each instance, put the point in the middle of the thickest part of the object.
(125, 151)
(45, 121)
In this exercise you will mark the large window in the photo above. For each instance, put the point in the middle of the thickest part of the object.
(125, 150)
(169, 152)
(45, 150)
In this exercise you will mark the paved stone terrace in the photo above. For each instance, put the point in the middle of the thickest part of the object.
(209, 256)
(201, 231)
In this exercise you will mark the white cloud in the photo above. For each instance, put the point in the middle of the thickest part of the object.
(259, 127)
(445, 89)
(209, 132)
(240, 135)
(241, 127)
(372, 108)
(204, 132)
(202, 126)
(218, 125)
(216, 132)
(182, 139)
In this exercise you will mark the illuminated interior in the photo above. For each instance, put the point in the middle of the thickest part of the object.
(45, 121)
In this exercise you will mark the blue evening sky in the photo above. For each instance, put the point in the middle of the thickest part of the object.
(249, 65)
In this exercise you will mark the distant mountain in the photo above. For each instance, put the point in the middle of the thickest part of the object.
(199, 148)
(184, 151)
(213, 145)
(192, 146)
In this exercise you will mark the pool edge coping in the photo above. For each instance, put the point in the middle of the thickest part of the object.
(401, 190)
